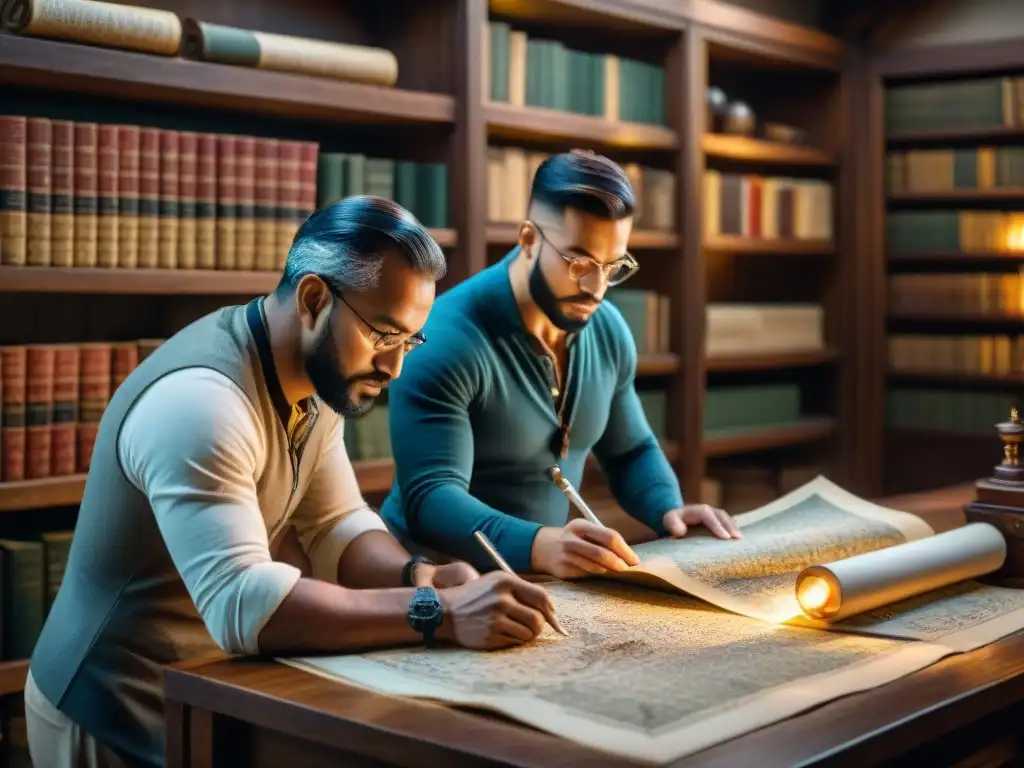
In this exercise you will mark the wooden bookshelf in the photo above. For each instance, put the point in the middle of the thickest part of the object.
(771, 361)
(439, 112)
(921, 455)
(777, 85)
(768, 438)
(756, 150)
(738, 244)
(537, 124)
(100, 72)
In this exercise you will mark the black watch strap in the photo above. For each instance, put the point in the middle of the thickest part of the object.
(407, 570)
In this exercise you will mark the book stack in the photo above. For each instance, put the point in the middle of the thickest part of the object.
(746, 329)
(765, 207)
(536, 72)
(83, 194)
(510, 173)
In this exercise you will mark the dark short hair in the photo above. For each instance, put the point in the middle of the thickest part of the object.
(345, 244)
(585, 181)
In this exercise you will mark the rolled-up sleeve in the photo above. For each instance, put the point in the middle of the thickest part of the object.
(193, 444)
(333, 513)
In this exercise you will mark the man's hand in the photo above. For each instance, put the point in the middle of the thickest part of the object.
(496, 610)
(677, 521)
(578, 549)
(443, 576)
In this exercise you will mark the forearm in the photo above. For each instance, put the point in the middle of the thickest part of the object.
(447, 516)
(374, 560)
(320, 617)
(644, 484)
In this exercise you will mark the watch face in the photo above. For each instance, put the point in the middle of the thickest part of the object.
(425, 611)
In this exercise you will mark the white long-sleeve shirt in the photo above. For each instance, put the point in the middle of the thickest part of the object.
(193, 444)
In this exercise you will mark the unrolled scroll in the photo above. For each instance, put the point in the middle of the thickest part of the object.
(284, 53)
(108, 25)
(835, 591)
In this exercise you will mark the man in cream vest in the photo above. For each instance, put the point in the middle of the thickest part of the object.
(229, 432)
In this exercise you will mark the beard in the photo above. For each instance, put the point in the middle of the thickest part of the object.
(551, 305)
(324, 372)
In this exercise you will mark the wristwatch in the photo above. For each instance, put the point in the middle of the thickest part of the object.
(425, 613)
(407, 570)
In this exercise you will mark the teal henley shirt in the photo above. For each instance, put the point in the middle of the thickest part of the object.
(474, 427)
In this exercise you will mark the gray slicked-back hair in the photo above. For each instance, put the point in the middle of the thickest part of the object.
(345, 242)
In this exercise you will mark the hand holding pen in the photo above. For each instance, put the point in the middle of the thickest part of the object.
(549, 613)
(583, 546)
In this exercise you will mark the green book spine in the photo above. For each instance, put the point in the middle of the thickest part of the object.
(432, 194)
(331, 178)
(405, 188)
(355, 175)
(499, 60)
(25, 596)
(380, 177)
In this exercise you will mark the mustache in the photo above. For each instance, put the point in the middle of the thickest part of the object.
(379, 378)
(581, 298)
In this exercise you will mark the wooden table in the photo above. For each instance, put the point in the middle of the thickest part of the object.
(964, 710)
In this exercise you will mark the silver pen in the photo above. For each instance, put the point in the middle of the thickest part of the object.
(499, 561)
(574, 497)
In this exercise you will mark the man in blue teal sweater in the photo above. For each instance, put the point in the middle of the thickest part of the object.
(525, 367)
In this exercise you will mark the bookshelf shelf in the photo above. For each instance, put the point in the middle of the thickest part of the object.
(755, 150)
(374, 477)
(770, 361)
(736, 244)
(657, 365)
(963, 136)
(97, 280)
(957, 318)
(502, 233)
(953, 257)
(12, 676)
(35, 63)
(953, 379)
(1007, 194)
(538, 124)
(808, 431)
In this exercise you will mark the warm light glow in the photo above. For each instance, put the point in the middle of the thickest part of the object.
(814, 593)
(1015, 237)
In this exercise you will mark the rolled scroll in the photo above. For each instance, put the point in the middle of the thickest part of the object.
(836, 591)
(107, 25)
(284, 53)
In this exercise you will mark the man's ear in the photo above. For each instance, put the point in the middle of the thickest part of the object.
(528, 237)
(313, 302)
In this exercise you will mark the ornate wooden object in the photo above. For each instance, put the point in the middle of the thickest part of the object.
(1000, 501)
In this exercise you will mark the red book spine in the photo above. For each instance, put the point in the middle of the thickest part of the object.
(38, 405)
(64, 416)
(169, 162)
(86, 193)
(13, 370)
(227, 190)
(94, 393)
(124, 360)
(245, 193)
(288, 196)
(206, 202)
(149, 198)
(13, 172)
(39, 152)
(107, 204)
(62, 198)
(129, 232)
(265, 210)
(188, 148)
(309, 152)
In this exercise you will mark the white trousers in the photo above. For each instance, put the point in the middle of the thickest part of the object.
(56, 741)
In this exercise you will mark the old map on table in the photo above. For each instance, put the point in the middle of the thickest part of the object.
(820, 523)
(655, 674)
